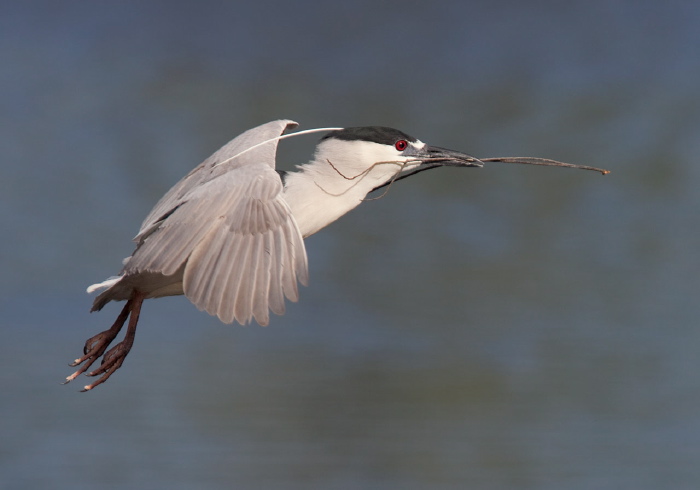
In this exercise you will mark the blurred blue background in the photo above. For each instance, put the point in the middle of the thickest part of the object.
(496, 328)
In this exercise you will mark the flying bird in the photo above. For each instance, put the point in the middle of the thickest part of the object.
(230, 234)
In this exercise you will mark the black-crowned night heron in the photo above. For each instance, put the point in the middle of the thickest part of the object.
(230, 235)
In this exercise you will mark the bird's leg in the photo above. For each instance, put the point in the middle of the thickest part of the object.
(96, 346)
(114, 358)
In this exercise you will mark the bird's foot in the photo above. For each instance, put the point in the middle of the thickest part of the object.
(96, 346)
(112, 360)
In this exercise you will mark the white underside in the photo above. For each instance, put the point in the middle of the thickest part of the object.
(152, 284)
(336, 181)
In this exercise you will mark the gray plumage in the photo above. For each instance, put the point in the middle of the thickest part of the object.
(230, 235)
(223, 236)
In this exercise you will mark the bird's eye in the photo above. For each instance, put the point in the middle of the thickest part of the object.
(401, 145)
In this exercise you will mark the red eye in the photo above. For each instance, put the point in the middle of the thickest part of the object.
(401, 145)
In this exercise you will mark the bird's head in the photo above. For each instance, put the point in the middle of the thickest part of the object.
(381, 155)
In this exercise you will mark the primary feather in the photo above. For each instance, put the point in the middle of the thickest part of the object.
(223, 236)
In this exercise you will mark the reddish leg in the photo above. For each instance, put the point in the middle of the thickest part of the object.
(96, 346)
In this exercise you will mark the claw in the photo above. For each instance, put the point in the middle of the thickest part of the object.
(104, 377)
(95, 346)
(79, 371)
(114, 358)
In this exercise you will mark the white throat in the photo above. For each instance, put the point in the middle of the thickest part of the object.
(336, 181)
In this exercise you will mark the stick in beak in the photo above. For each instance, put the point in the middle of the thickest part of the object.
(544, 162)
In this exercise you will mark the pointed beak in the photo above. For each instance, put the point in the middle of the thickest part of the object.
(434, 156)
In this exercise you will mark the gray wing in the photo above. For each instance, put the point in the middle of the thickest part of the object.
(228, 225)
(213, 167)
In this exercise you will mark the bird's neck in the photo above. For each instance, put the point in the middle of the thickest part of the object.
(321, 191)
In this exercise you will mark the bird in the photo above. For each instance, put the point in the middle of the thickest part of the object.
(230, 234)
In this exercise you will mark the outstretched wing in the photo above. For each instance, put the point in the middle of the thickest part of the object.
(227, 224)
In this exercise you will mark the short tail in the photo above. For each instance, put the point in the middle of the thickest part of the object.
(104, 297)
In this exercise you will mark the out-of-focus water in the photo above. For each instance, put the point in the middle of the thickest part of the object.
(505, 327)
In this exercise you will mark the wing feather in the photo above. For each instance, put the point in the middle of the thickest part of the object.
(275, 294)
(261, 288)
(230, 227)
(227, 158)
(247, 294)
